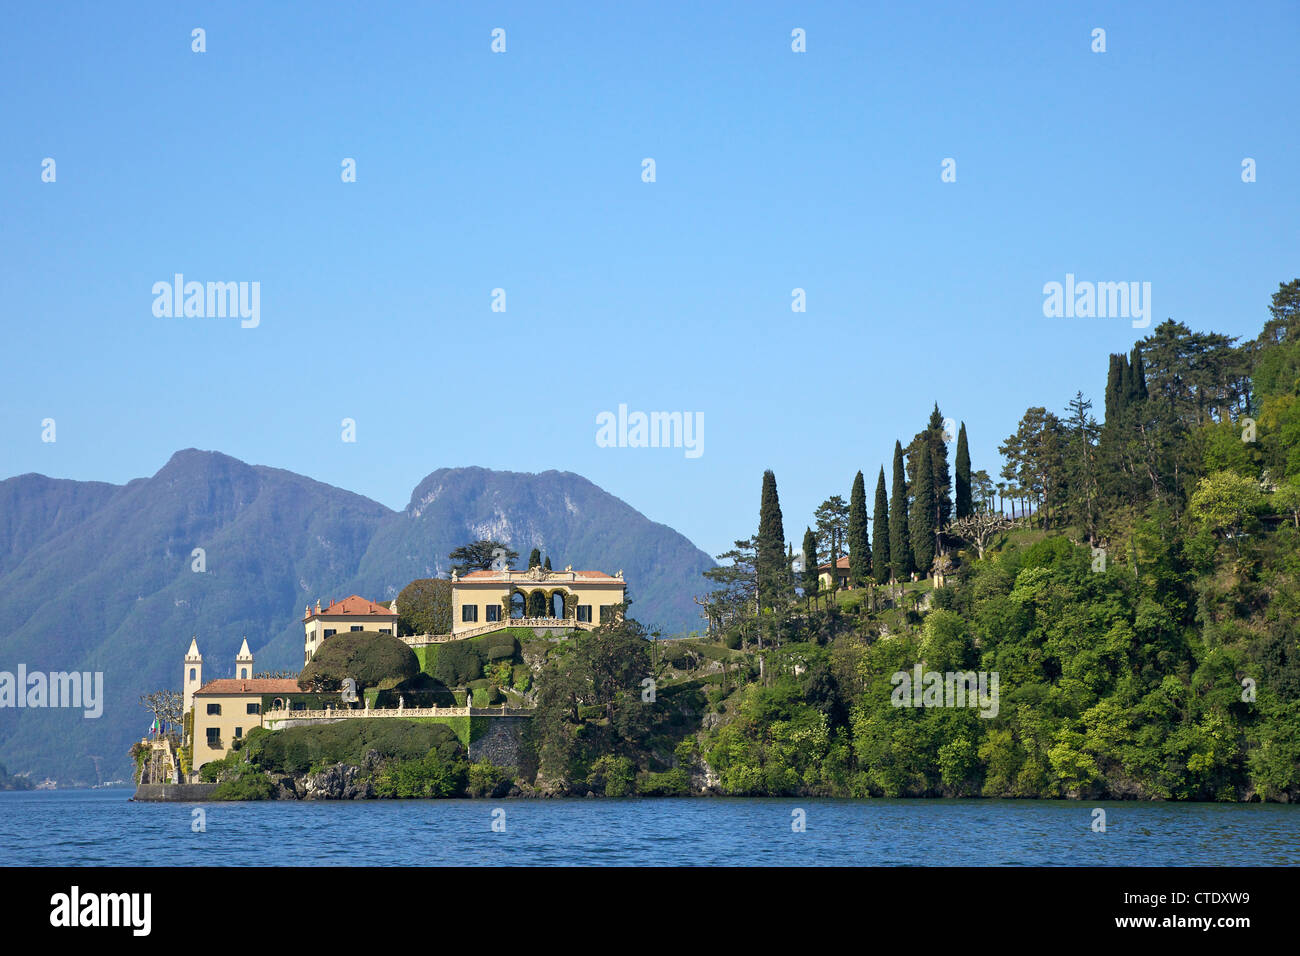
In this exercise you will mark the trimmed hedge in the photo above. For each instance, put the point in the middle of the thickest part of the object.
(296, 749)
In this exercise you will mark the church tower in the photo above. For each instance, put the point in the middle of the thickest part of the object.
(244, 662)
(193, 673)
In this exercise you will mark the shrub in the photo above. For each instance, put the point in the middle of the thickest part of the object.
(296, 749)
(613, 776)
(458, 663)
(487, 780)
(670, 783)
(499, 646)
(521, 677)
(366, 656)
(249, 785)
(432, 776)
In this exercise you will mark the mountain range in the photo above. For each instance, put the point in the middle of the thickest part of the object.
(102, 578)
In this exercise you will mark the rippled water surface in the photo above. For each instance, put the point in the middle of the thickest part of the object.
(103, 827)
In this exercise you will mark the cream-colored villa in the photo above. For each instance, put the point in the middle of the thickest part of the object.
(225, 710)
(353, 613)
(482, 601)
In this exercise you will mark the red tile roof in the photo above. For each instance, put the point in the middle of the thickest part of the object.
(841, 564)
(354, 606)
(257, 685)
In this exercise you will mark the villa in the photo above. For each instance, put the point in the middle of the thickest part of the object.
(483, 601)
(353, 613)
(220, 712)
(839, 581)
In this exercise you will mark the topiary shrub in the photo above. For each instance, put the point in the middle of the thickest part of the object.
(458, 663)
(297, 749)
(368, 657)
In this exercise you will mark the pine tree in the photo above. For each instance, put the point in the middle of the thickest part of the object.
(921, 520)
(900, 543)
(772, 570)
(880, 532)
(859, 539)
(963, 503)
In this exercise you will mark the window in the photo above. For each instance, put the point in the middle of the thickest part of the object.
(494, 612)
(584, 613)
(469, 612)
(214, 737)
(329, 632)
(191, 673)
(243, 673)
(357, 627)
(253, 709)
(298, 705)
(214, 709)
(239, 732)
(385, 630)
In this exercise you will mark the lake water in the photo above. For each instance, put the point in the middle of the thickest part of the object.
(102, 828)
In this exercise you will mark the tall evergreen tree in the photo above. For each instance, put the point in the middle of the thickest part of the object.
(880, 532)
(962, 465)
(922, 518)
(859, 536)
(809, 576)
(773, 572)
(547, 563)
(1138, 380)
(534, 559)
(900, 542)
(940, 480)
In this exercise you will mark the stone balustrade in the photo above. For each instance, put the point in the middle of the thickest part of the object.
(421, 640)
(501, 710)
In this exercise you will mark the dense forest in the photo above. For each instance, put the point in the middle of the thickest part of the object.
(1134, 583)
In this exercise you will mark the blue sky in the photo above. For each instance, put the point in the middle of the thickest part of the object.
(522, 171)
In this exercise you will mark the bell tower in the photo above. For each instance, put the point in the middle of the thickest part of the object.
(193, 673)
(244, 662)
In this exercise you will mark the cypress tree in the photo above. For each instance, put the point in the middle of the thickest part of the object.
(962, 464)
(940, 481)
(534, 559)
(921, 520)
(1138, 388)
(547, 563)
(880, 532)
(900, 543)
(769, 557)
(1115, 388)
(859, 535)
(809, 581)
